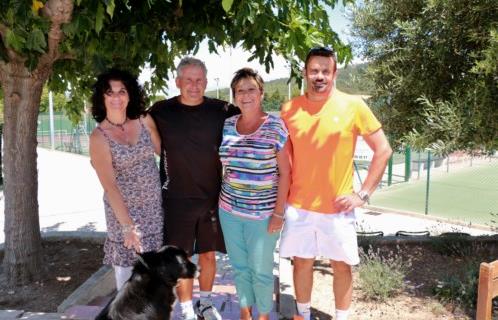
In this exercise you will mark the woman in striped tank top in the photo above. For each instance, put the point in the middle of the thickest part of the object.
(256, 177)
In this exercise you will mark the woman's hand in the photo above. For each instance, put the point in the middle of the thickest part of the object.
(131, 237)
(276, 222)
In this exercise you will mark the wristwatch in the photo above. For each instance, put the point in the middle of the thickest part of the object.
(363, 195)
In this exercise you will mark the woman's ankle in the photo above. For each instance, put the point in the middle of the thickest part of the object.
(245, 313)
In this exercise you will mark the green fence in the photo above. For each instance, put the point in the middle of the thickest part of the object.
(457, 187)
(67, 136)
(407, 165)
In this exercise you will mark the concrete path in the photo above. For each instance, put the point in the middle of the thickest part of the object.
(224, 295)
(69, 194)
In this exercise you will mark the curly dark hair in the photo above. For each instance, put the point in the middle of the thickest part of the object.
(136, 105)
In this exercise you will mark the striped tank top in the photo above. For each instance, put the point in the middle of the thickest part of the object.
(250, 171)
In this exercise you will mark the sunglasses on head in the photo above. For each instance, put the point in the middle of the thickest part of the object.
(321, 51)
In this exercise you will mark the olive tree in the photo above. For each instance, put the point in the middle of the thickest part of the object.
(435, 68)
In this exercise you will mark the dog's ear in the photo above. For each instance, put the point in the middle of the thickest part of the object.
(170, 266)
(145, 261)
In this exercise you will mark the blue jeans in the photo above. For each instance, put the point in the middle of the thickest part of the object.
(250, 249)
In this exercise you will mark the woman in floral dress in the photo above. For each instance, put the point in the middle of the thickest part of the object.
(122, 149)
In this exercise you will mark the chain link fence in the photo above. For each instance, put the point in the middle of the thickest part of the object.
(65, 135)
(459, 186)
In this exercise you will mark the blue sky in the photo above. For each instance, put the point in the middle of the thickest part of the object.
(223, 65)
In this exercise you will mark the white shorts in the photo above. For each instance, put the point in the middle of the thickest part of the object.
(309, 234)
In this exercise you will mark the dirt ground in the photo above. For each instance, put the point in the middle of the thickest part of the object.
(68, 264)
(417, 300)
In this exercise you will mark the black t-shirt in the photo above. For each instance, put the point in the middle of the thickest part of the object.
(190, 138)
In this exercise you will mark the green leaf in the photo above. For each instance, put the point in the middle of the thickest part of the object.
(36, 41)
(10, 16)
(99, 18)
(14, 41)
(227, 5)
(110, 8)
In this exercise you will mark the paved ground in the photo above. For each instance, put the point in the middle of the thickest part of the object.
(69, 194)
(70, 199)
(224, 295)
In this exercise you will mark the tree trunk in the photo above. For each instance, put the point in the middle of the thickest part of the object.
(1, 165)
(22, 93)
(23, 251)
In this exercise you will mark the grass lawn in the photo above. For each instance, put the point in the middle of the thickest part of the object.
(470, 194)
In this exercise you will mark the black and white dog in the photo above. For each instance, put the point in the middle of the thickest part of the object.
(149, 293)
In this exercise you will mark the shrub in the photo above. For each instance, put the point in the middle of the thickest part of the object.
(454, 244)
(459, 288)
(382, 275)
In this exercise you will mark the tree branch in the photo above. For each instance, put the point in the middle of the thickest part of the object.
(67, 56)
(3, 30)
(3, 71)
(58, 12)
(14, 56)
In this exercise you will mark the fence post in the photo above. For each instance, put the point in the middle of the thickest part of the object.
(428, 182)
(390, 171)
(408, 163)
(418, 165)
(357, 171)
(51, 119)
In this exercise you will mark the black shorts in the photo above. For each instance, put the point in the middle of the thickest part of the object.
(193, 225)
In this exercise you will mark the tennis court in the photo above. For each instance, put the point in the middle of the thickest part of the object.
(469, 194)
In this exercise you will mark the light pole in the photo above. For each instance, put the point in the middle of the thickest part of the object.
(217, 87)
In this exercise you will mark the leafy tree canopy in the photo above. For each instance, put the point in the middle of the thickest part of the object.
(435, 68)
(132, 34)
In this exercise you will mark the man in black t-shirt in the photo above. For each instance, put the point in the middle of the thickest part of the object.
(191, 126)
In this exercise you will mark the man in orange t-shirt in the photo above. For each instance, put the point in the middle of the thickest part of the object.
(323, 128)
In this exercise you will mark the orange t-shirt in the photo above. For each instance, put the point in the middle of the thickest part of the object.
(323, 136)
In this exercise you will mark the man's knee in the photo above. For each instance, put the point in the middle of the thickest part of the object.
(303, 264)
(207, 258)
(341, 267)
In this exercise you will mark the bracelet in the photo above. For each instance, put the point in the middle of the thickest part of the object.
(127, 228)
(280, 216)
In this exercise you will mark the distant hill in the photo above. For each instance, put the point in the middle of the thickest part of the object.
(351, 80)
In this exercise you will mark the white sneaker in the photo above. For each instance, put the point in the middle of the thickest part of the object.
(206, 311)
(186, 316)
